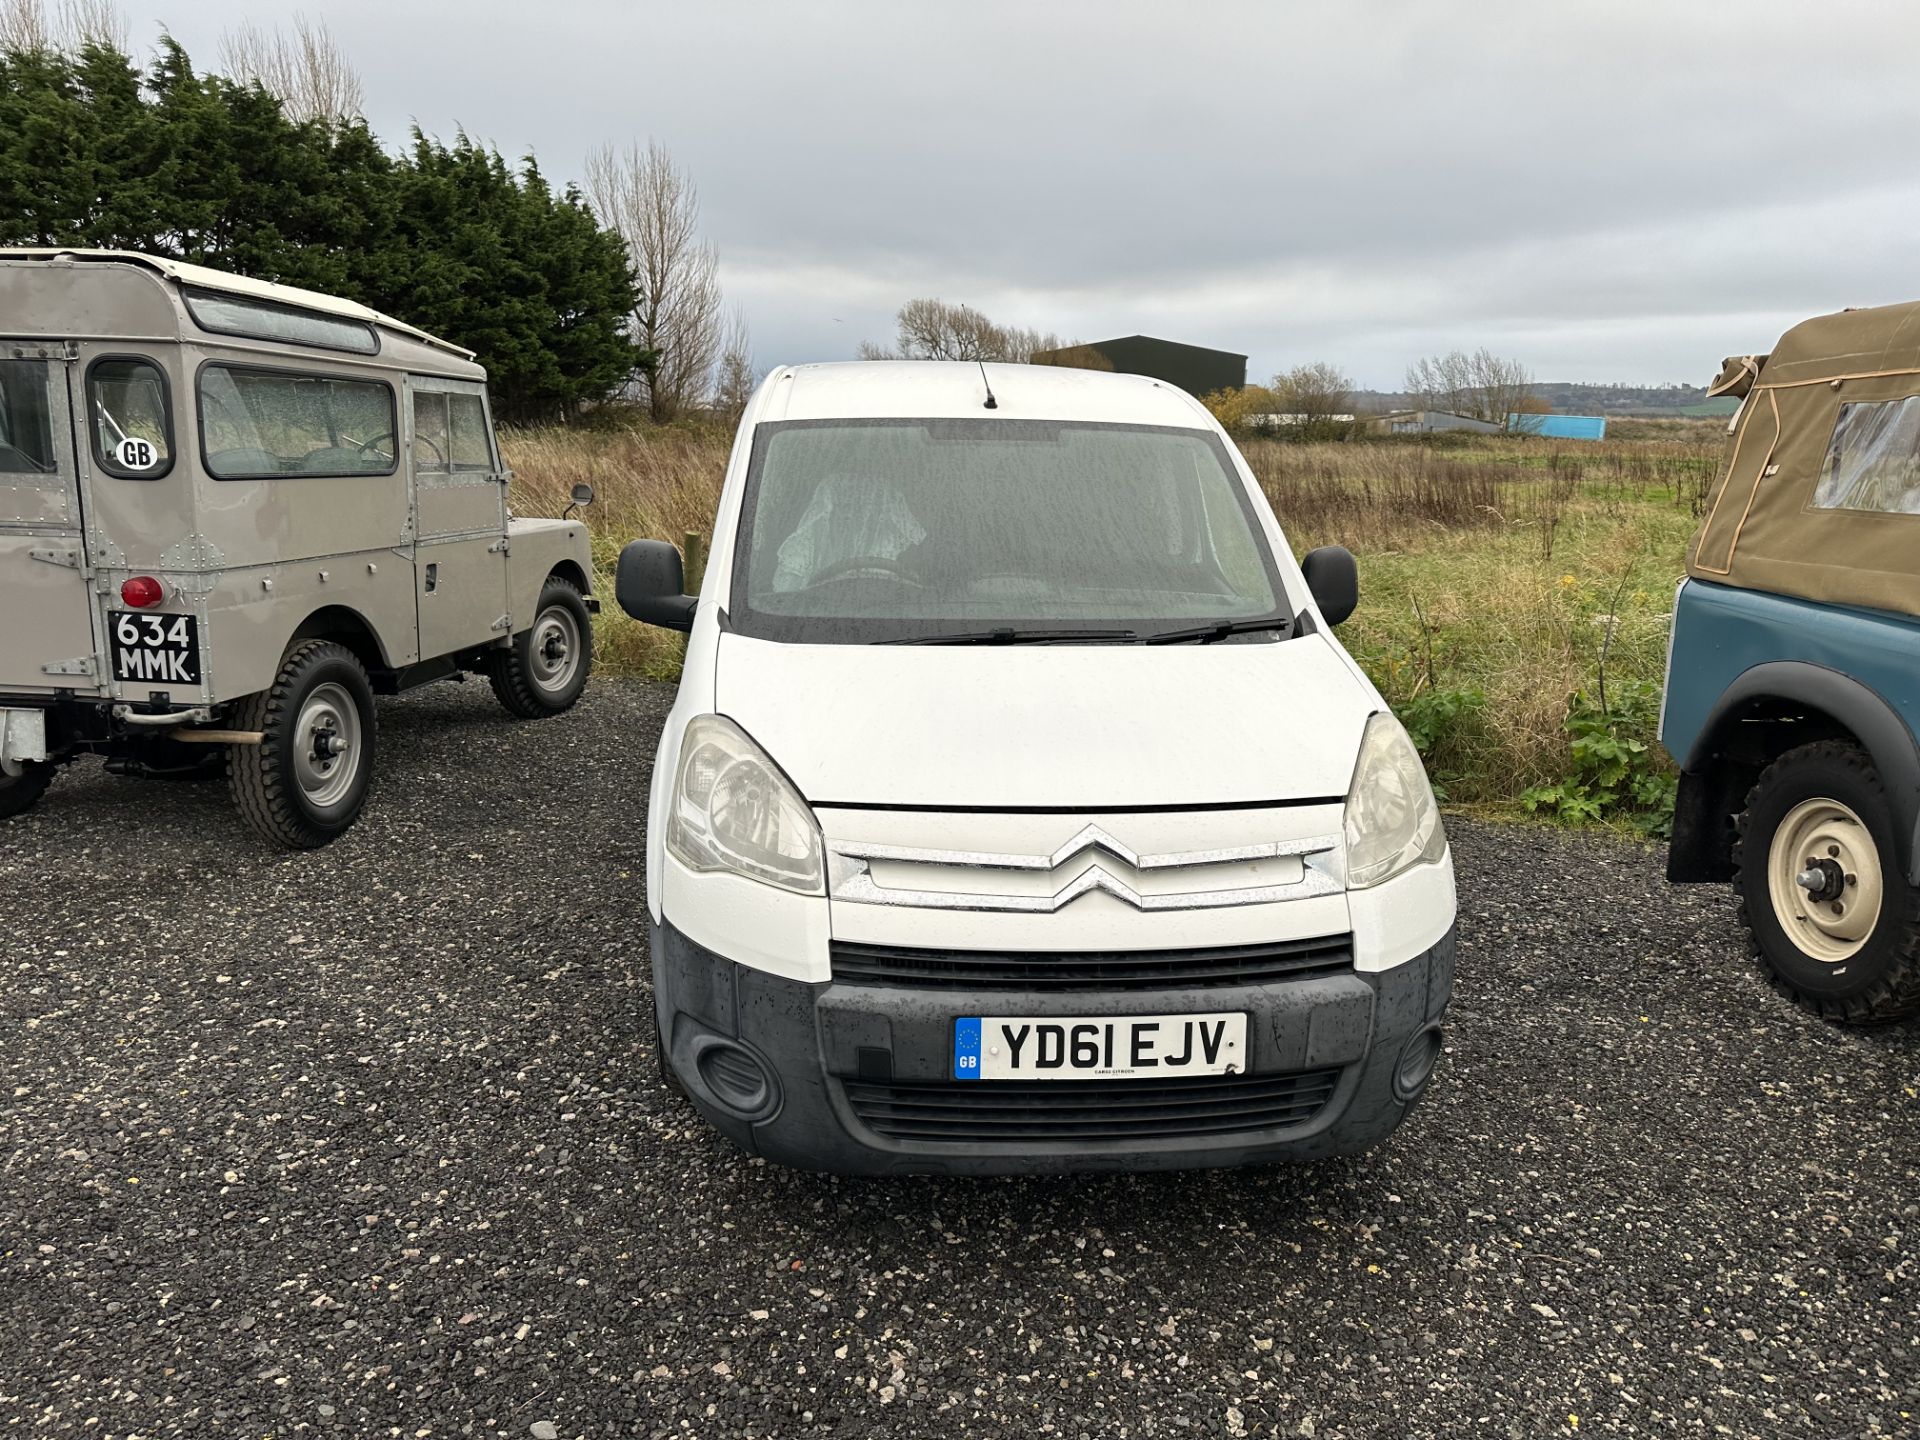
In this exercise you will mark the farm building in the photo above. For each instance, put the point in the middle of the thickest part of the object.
(1194, 368)
(1425, 422)
(1560, 427)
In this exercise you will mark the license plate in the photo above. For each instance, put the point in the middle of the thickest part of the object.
(1130, 1047)
(161, 648)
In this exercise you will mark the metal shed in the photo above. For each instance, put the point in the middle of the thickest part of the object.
(1559, 427)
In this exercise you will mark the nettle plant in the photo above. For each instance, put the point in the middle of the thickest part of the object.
(1617, 771)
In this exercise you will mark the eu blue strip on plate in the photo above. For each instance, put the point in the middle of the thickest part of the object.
(966, 1049)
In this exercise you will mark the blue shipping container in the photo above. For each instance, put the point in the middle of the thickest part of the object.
(1560, 427)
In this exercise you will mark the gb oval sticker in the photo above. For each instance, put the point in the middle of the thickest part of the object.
(133, 453)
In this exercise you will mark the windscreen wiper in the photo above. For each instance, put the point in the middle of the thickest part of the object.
(1008, 635)
(1219, 630)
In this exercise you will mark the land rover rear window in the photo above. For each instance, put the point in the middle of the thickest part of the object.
(256, 424)
(266, 320)
(26, 429)
(1873, 459)
(127, 410)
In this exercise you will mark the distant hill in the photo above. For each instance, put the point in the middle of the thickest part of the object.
(1571, 398)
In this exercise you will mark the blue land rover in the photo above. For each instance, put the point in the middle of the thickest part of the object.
(1793, 678)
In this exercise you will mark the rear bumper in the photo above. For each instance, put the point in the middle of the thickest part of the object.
(820, 1076)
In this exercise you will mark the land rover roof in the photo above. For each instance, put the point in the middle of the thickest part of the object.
(201, 278)
(1820, 495)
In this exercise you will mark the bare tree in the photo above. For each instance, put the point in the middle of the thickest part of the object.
(306, 71)
(652, 205)
(733, 377)
(1316, 393)
(1482, 384)
(930, 329)
(26, 25)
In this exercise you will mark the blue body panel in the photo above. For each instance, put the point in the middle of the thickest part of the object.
(1560, 427)
(1720, 632)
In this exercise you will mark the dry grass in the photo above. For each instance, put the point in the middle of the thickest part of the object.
(1496, 566)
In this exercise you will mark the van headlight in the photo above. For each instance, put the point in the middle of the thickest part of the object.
(734, 811)
(1393, 823)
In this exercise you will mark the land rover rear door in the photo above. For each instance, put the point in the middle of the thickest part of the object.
(47, 639)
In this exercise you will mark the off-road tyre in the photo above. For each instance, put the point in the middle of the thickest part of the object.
(529, 676)
(20, 793)
(285, 789)
(1878, 982)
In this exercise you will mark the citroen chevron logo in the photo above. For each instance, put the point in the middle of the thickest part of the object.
(852, 874)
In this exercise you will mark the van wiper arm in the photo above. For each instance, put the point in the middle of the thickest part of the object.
(1219, 630)
(1008, 635)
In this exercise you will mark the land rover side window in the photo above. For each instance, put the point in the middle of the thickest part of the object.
(266, 320)
(260, 423)
(863, 531)
(1873, 459)
(26, 429)
(450, 433)
(128, 418)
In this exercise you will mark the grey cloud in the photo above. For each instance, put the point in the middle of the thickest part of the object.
(1626, 191)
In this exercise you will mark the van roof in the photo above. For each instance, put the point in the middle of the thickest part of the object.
(906, 389)
(204, 278)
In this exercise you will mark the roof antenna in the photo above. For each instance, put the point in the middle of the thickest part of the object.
(992, 404)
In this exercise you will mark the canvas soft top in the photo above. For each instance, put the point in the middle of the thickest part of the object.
(201, 277)
(1771, 523)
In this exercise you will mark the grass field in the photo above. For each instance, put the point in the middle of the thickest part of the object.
(1496, 573)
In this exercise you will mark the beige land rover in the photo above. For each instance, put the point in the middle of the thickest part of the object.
(231, 513)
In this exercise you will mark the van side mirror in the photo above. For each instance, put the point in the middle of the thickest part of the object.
(649, 585)
(1334, 579)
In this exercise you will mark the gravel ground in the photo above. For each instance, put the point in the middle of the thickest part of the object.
(367, 1142)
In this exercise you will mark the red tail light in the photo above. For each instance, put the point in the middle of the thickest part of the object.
(141, 591)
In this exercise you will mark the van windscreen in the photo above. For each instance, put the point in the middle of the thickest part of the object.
(865, 531)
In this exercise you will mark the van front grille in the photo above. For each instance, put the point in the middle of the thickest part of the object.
(989, 1112)
(1091, 970)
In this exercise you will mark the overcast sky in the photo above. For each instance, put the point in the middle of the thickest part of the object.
(1609, 192)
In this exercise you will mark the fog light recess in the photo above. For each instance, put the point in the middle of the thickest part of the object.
(735, 1078)
(1417, 1059)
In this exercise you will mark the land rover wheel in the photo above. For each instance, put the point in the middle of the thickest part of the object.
(20, 793)
(307, 779)
(1834, 921)
(545, 668)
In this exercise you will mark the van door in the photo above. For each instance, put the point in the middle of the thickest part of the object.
(47, 639)
(460, 516)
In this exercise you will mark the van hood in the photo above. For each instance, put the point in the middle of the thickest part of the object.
(1050, 726)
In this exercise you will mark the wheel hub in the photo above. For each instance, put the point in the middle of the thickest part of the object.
(328, 763)
(1824, 878)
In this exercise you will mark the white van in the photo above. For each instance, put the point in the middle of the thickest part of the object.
(1019, 810)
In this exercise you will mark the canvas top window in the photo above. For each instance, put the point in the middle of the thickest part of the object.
(1873, 459)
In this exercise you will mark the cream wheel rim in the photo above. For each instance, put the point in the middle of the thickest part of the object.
(1823, 874)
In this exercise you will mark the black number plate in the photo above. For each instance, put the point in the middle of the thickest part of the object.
(162, 648)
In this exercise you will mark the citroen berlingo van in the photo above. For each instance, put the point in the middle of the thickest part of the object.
(1019, 810)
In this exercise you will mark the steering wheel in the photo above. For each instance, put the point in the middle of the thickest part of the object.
(866, 565)
(374, 446)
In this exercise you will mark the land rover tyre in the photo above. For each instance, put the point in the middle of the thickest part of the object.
(1834, 921)
(307, 779)
(20, 793)
(545, 668)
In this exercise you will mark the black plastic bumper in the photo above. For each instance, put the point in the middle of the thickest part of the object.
(777, 1064)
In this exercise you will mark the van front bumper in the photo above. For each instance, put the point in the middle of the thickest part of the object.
(820, 1076)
